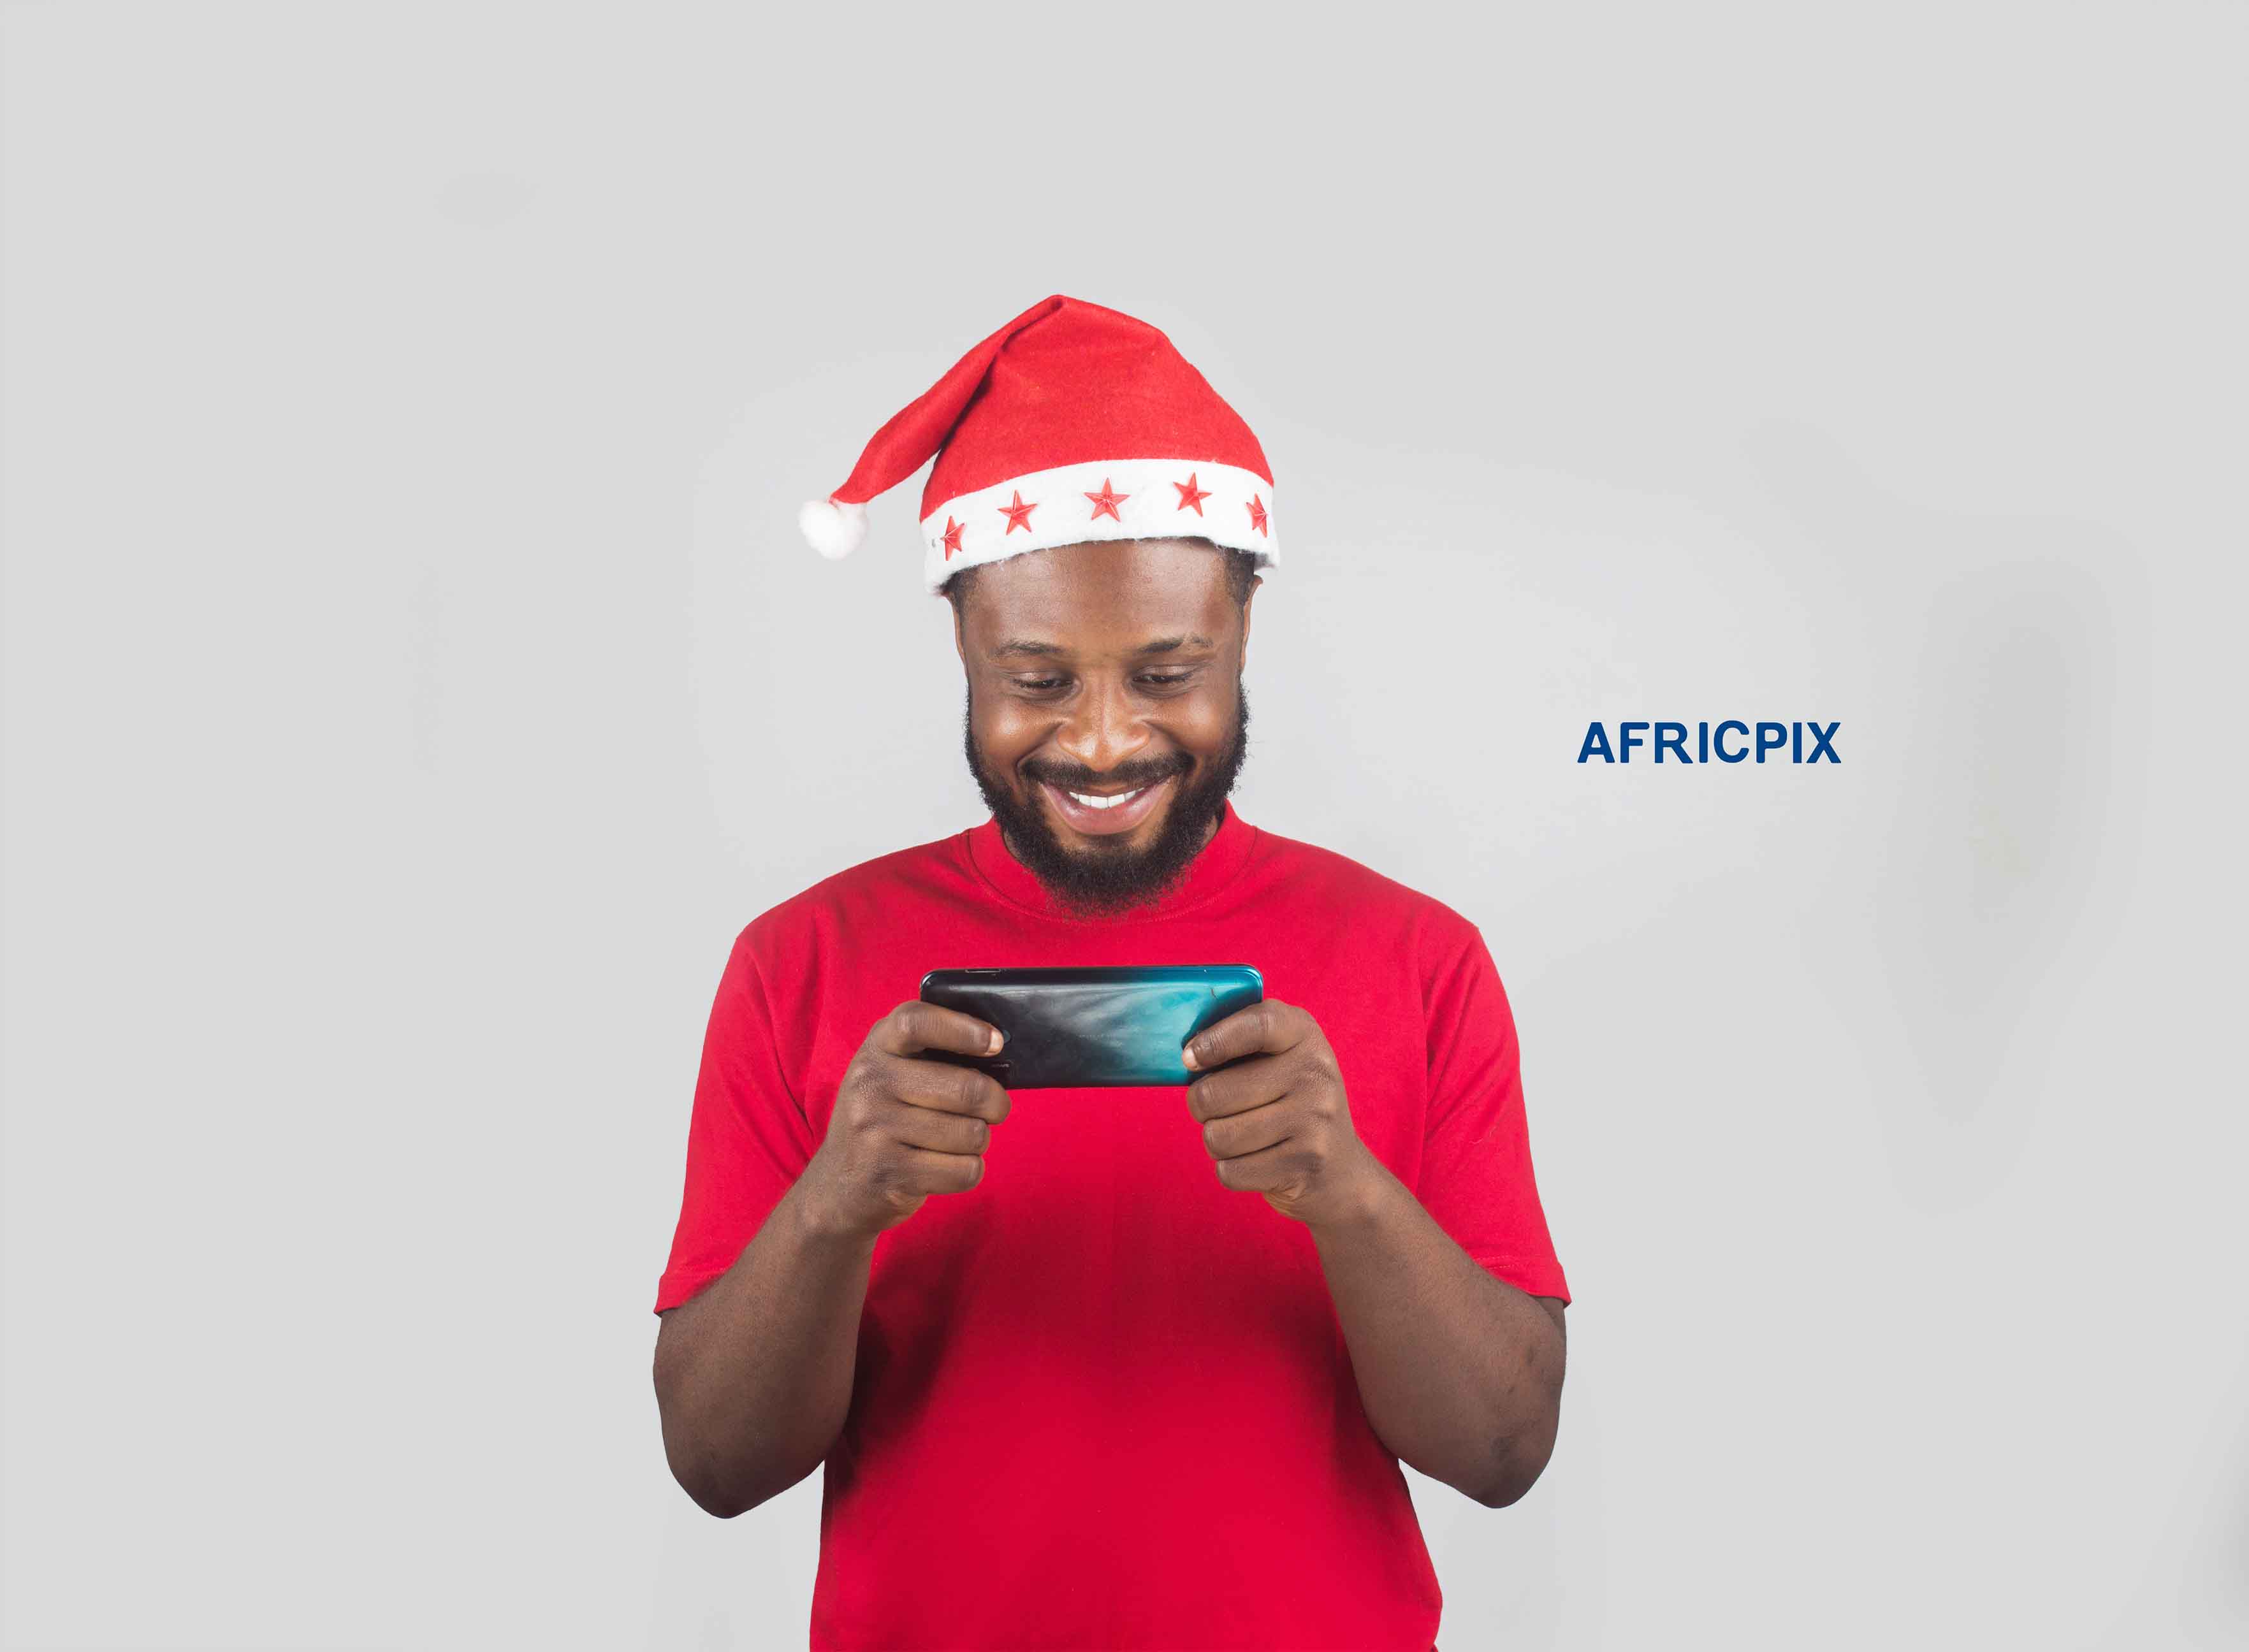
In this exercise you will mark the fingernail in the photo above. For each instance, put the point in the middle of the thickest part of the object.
(998, 1039)
(1188, 1055)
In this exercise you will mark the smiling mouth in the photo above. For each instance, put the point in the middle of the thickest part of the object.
(1106, 814)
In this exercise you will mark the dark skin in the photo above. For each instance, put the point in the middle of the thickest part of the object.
(1093, 658)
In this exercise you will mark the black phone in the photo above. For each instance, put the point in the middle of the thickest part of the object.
(1101, 1026)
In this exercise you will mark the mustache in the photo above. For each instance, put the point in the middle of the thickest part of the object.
(1079, 778)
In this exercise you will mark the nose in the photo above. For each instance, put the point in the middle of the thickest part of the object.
(1102, 727)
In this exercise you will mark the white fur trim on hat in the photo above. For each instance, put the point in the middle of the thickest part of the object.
(1105, 499)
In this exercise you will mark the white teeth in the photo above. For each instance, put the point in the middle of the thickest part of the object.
(1108, 803)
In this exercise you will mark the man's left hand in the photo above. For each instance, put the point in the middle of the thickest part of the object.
(1275, 1118)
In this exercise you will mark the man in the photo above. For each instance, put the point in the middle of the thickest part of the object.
(1107, 1368)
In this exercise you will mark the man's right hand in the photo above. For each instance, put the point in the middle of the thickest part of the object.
(903, 1127)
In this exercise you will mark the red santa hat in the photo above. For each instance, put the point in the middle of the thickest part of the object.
(1072, 423)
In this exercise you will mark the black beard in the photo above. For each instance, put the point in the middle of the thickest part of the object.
(1109, 878)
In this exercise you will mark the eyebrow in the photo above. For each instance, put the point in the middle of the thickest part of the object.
(1020, 648)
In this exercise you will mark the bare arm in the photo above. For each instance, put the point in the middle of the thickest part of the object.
(754, 1374)
(1460, 1373)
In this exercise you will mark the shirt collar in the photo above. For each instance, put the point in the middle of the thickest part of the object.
(1213, 866)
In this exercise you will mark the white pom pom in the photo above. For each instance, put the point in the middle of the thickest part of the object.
(833, 528)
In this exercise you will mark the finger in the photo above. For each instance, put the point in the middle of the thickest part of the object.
(1267, 1171)
(1247, 1084)
(915, 1026)
(951, 1133)
(946, 1088)
(1238, 1134)
(1265, 1028)
(927, 1172)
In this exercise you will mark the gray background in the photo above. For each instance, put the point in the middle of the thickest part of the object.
(414, 680)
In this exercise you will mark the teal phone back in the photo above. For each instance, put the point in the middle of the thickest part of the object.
(1097, 1026)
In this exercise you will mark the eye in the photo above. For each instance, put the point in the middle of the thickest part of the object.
(1039, 685)
(1167, 680)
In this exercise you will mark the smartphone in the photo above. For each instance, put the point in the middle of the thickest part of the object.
(1111, 1026)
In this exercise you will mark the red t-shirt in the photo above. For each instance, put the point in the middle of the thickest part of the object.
(1101, 1400)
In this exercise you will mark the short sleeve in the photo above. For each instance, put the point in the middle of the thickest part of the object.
(1476, 1178)
(747, 1140)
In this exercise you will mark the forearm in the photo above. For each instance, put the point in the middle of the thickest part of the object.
(753, 1375)
(1459, 1373)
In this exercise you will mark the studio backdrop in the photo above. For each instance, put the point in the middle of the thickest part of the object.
(414, 680)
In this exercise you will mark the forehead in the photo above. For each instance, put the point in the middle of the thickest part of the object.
(1104, 594)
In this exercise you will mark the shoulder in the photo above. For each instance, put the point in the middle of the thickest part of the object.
(1377, 907)
(887, 890)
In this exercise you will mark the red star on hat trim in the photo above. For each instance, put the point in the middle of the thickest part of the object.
(951, 537)
(1257, 515)
(1105, 502)
(1191, 496)
(1018, 514)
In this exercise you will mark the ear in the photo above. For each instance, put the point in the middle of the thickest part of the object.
(1255, 581)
